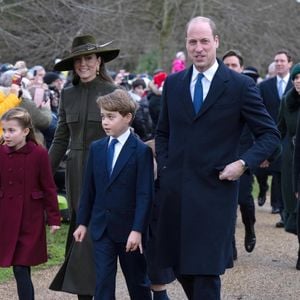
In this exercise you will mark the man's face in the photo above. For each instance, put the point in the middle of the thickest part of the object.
(282, 65)
(233, 63)
(201, 45)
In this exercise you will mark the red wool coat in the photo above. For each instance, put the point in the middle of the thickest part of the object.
(27, 195)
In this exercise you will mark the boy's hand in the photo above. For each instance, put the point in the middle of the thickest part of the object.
(134, 241)
(54, 228)
(80, 233)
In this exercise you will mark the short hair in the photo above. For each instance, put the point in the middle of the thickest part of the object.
(286, 52)
(138, 82)
(205, 20)
(235, 53)
(119, 100)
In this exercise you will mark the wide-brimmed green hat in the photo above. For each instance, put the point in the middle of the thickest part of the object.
(84, 45)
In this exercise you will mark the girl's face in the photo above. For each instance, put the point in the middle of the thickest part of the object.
(297, 83)
(14, 134)
(86, 66)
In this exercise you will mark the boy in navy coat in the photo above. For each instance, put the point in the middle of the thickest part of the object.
(116, 200)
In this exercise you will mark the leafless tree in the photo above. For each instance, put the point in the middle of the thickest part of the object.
(39, 31)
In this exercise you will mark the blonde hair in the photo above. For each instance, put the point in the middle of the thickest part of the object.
(22, 116)
(119, 100)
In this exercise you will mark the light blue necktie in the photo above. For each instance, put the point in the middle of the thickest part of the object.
(280, 88)
(198, 93)
(110, 155)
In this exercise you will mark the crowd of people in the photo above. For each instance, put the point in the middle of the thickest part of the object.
(166, 210)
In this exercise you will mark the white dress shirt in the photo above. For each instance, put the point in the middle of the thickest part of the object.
(118, 146)
(206, 80)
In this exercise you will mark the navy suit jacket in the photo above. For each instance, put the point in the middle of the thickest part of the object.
(269, 94)
(198, 210)
(122, 202)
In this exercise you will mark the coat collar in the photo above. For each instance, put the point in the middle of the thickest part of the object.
(216, 89)
(27, 148)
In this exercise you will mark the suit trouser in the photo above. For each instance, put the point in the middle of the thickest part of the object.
(246, 201)
(133, 265)
(201, 287)
(276, 197)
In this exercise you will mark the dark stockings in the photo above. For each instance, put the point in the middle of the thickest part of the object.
(24, 284)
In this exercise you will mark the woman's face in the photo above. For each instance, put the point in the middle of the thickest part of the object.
(86, 66)
(297, 83)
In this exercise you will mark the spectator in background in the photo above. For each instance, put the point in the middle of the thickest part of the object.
(252, 72)
(154, 95)
(271, 70)
(41, 116)
(54, 83)
(178, 63)
(142, 122)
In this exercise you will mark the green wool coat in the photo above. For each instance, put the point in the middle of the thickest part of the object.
(287, 124)
(79, 124)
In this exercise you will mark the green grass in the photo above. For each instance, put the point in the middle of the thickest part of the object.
(56, 252)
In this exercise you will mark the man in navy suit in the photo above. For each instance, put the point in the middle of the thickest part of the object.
(116, 200)
(272, 91)
(233, 60)
(199, 165)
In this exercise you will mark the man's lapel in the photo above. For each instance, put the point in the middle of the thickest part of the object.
(216, 89)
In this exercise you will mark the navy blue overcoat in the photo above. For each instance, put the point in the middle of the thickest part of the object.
(198, 210)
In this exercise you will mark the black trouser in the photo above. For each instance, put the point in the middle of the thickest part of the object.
(198, 287)
(246, 200)
(24, 284)
(276, 197)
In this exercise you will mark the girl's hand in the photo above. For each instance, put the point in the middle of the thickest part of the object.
(54, 228)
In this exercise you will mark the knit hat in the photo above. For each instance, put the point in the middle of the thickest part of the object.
(85, 45)
(295, 71)
(50, 77)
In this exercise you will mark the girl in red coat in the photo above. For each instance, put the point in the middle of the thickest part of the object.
(27, 191)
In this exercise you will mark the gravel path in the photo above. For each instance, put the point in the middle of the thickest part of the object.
(266, 274)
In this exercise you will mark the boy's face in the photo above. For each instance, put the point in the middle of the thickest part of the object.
(139, 90)
(113, 123)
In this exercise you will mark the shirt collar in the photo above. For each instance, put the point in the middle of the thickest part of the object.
(208, 74)
(285, 78)
(122, 138)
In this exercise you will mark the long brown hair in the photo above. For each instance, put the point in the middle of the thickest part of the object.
(103, 75)
(22, 116)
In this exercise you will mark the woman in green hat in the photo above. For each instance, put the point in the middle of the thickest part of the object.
(287, 124)
(79, 124)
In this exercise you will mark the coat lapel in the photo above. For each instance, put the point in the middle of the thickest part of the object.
(216, 89)
(186, 93)
(127, 150)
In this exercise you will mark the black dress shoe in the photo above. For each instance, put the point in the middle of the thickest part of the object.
(275, 210)
(250, 239)
(298, 264)
(261, 200)
(279, 224)
(234, 253)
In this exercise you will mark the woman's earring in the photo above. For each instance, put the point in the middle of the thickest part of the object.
(97, 71)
